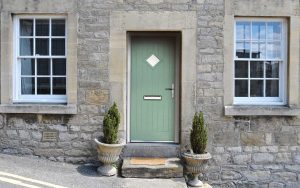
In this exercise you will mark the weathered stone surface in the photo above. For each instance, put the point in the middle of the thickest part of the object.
(252, 139)
(262, 158)
(24, 135)
(171, 169)
(276, 185)
(226, 139)
(230, 175)
(284, 139)
(257, 175)
(285, 176)
(97, 96)
(49, 152)
(283, 158)
(264, 144)
(242, 159)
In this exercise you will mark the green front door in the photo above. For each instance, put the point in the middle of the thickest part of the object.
(152, 101)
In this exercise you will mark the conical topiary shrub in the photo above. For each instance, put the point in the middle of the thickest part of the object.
(198, 135)
(111, 124)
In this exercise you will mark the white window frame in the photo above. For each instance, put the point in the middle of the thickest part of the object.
(17, 96)
(281, 100)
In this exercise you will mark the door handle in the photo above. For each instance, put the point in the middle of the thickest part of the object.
(171, 89)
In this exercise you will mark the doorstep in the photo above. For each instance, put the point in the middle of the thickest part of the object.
(145, 167)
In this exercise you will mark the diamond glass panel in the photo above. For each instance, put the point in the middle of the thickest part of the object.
(152, 60)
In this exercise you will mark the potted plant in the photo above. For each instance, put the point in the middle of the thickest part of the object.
(197, 159)
(109, 147)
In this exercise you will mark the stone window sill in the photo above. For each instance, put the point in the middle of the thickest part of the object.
(38, 109)
(261, 111)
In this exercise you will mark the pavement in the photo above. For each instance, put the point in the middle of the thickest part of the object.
(34, 172)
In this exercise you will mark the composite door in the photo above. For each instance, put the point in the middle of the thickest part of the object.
(152, 101)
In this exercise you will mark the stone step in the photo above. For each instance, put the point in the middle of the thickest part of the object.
(152, 168)
(151, 150)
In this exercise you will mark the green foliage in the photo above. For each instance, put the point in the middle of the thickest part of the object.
(111, 124)
(198, 135)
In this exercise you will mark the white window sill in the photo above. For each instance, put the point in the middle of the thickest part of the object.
(38, 109)
(243, 110)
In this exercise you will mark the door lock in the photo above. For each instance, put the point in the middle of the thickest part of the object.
(171, 89)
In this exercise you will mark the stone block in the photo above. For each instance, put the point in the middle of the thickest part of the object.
(257, 175)
(234, 149)
(262, 158)
(293, 168)
(12, 134)
(222, 159)
(283, 158)
(172, 169)
(252, 139)
(285, 139)
(230, 175)
(285, 176)
(269, 149)
(67, 137)
(226, 139)
(36, 135)
(77, 152)
(24, 135)
(296, 158)
(242, 159)
(97, 96)
(49, 152)
(276, 185)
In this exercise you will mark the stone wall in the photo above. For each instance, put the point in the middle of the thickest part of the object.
(247, 151)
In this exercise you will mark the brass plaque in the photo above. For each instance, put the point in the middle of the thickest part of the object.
(50, 136)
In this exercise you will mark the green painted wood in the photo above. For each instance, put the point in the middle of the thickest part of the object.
(152, 120)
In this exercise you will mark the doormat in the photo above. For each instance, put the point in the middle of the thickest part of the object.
(147, 161)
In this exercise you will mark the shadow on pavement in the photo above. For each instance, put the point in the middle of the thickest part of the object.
(88, 170)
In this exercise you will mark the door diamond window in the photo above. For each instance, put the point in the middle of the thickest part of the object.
(152, 60)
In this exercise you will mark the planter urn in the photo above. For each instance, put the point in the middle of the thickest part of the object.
(196, 164)
(108, 154)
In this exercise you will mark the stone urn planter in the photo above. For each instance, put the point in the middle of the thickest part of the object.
(196, 164)
(196, 160)
(108, 154)
(109, 146)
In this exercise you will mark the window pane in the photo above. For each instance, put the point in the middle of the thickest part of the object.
(243, 30)
(241, 69)
(58, 27)
(258, 50)
(42, 27)
(272, 88)
(241, 88)
(273, 50)
(27, 67)
(272, 69)
(256, 69)
(26, 27)
(42, 47)
(243, 49)
(274, 30)
(27, 86)
(43, 86)
(59, 86)
(59, 66)
(256, 88)
(43, 66)
(258, 30)
(26, 47)
(58, 46)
